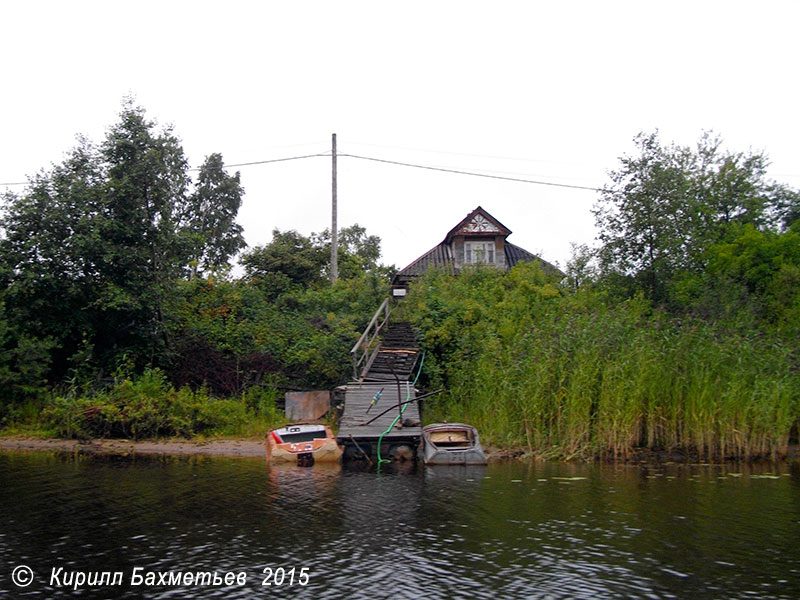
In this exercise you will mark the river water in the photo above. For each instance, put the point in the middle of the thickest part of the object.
(508, 530)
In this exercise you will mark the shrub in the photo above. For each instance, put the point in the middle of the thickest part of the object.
(148, 406)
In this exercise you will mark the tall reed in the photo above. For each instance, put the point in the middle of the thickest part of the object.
(570, 376)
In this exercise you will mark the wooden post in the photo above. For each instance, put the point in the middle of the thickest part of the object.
(334, 232)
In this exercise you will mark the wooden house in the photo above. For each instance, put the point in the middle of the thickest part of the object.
(478, 239)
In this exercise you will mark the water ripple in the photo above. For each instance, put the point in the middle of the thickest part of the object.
(507, 531)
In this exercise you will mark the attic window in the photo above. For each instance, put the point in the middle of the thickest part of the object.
(479, 253)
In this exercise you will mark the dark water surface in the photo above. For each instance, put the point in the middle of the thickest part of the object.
(503, 531)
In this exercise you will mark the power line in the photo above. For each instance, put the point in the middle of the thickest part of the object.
(245, 164)
(264, 162)
(474, 174)
(399, 163)
(473, 155)
(392, 162)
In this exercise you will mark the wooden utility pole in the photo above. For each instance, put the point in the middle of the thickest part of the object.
(334, 232)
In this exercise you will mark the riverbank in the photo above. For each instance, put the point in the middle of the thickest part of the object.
(249, 448)
(117, 447)
(245, 448)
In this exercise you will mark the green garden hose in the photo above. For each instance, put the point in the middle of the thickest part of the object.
(402, 410)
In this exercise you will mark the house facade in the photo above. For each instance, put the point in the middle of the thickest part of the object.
(478, 239)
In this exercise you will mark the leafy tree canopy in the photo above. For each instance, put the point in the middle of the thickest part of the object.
(292, 258)
(667, 206)
(211, 218)
(93, 246)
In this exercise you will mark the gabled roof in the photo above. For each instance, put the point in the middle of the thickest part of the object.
(515, 254)
(441, 256)
(438, 256)
(476, 223)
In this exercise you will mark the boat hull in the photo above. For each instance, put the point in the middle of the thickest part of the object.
(327, 452)
(322, 449)
(452, 444)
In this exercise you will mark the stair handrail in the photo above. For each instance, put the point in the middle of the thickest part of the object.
(361, 350)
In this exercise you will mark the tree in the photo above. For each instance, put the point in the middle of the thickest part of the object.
(52, 254)
(305, 260)
(211, 216)
(665, 207)
(358, 252)
(762, 268)
(294, 256)
(144, 198)
(786, 203)
(581, 268)
(93, 247)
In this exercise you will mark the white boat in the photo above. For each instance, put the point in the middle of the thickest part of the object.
(452, 444)
(303, 444)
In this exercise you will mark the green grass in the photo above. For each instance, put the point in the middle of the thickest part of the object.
(147, 407)
(577, 376)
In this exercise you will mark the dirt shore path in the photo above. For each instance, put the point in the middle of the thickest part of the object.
(255, 448)
(243, 448)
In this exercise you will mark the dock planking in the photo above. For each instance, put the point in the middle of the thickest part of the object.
(388, 370)
(358, 396)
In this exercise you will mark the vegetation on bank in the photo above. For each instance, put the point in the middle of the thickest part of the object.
(149, 407)
(118, 312)
(681, 331)
(119, 315)
(577, 375)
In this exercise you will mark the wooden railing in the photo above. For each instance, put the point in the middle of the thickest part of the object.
(366, 347)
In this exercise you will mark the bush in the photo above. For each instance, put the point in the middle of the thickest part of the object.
(148, 406)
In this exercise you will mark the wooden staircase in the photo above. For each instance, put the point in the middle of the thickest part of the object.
(385, 351)
(384, 361)
(397, 354)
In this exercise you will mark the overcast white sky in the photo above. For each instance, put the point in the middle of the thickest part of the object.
(552, 91)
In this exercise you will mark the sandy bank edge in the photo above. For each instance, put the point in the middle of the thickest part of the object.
(243, 448)
(249, 448)
(240, 448)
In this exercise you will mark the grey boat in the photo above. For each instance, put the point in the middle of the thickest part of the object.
(452, 444)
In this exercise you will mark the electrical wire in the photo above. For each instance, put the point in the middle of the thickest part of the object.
(473, 174)
(264, 162)
(403, 164)
(473, 155)
(487, 171)
(390, 162)
(244, 164)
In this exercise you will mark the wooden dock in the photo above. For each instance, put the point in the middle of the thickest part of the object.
(384, 360)
(359, 433)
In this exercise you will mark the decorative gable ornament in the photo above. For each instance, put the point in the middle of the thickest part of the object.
(480, 224)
